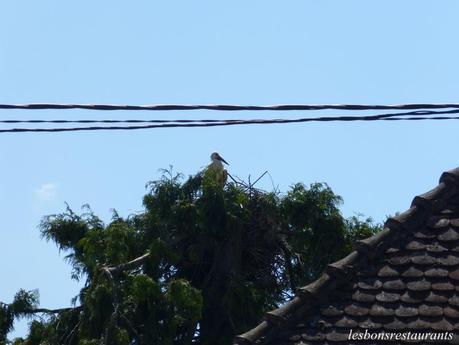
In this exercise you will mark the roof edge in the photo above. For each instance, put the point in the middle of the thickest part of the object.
(366, 248)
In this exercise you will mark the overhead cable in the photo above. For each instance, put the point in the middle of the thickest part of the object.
(229, 107)
(409, 116)
(328, 118)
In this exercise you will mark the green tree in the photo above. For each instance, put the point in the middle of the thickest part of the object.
(199, 265)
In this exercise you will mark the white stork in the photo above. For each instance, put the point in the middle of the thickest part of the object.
(217, 167)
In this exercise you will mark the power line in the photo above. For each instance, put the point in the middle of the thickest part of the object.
(367, 117)
(413, 116)
(229, 107)
(329, 118)
(420, 114)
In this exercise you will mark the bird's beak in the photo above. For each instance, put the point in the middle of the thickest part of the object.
(221, 158)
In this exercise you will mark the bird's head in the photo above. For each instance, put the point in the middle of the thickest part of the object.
(216, 157)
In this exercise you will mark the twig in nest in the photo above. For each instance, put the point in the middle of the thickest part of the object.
(258, 179)
(236, 182)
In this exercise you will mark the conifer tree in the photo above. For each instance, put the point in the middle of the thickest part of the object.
(200, 264)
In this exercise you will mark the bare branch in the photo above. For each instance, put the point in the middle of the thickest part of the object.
(113, 270)
(232, 178)
(258, 179)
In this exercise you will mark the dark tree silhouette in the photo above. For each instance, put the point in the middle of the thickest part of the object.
(199, 265)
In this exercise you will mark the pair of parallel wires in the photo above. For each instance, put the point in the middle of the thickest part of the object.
(406, 112)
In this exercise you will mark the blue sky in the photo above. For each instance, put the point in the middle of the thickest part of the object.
(240, 52)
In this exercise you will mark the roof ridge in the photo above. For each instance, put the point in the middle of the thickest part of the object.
(309, 296)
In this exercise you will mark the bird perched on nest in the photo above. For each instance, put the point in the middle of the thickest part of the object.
(217, 168)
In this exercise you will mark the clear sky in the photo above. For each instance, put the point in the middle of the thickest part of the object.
(240, 52)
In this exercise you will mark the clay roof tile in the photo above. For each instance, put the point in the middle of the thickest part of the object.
(404, 278)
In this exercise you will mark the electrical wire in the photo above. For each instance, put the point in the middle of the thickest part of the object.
(407, 116)
(229, 107)
(387, 115)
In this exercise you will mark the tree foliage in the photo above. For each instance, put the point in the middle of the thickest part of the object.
(210, 262)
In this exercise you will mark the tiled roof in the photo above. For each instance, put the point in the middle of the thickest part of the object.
(404, 278)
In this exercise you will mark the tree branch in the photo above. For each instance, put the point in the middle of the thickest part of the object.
(129, 325)
(49, 311)
(288, 262)
(127, 265)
